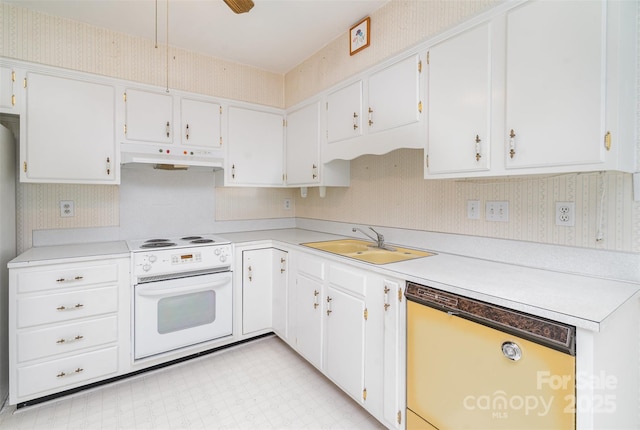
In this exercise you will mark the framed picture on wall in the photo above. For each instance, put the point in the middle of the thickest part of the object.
(359, 36)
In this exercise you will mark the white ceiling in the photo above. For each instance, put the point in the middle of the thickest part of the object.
(276, 35)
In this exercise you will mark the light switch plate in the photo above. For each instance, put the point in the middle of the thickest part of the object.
(497, 211)
(473, 209)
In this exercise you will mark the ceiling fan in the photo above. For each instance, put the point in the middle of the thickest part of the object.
(239, 6)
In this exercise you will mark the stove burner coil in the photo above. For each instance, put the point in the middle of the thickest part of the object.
(196, 241)
(161, 244)
(156, 240)
(191, 238)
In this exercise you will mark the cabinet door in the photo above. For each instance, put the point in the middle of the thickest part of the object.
(201, 123)
(149, 116)
(8, 98)
(394, 95)
(303, 145)
(344, 113)
(280, 291)
(256, 141)
(257, 284)
(70, 131)
(393, 353)
(344, 341)
(460, 102)
(308, 319)
(555, 83)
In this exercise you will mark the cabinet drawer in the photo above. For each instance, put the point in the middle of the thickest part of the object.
(311, 266)
(348, 279)
(52, 308)
(46, 342)
(57, 374)
(66, 276)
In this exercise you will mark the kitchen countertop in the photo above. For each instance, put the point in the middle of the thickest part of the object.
(84, 251)
(582, 301)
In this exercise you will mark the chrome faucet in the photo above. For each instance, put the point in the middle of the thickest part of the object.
(379, 239)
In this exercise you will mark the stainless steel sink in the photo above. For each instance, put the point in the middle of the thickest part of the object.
(367, 251)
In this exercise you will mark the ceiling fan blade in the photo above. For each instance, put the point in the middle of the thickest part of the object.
(239, 6)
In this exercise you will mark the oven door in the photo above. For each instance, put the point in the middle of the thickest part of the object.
(181, 312)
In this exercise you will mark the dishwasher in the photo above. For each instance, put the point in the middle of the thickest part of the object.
(475, 365)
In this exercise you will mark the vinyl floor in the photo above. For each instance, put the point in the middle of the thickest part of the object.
(262, 384)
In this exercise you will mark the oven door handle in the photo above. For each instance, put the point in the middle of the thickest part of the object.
(172, 291)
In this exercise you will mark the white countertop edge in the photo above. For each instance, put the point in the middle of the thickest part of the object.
(43, 255)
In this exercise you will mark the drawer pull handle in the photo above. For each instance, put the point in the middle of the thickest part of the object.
(73, 339)
(77, 278)
(75, 372)
(64, 308)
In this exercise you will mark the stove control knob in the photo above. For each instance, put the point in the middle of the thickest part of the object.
(152, 258)
(146, 267)
(223, 258)
(217, 251)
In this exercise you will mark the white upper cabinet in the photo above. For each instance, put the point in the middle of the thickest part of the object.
(70, 131)
(303, 145)
(10, 89)
(344, 113)
(255, 153)
(460, 102)
(148, 116)
(155, 117)
(394, 96)
(546, 86)
(302, 150)
(379, 112)
(201, 123)
(555, 83)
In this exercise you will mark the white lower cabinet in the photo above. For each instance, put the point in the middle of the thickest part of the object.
(263, 286)
(68, 325)
(347, 322)
(393, 355)
(306, 295)
(345, 318)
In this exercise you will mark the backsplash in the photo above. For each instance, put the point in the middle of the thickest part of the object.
(390, 191)
(385, 190)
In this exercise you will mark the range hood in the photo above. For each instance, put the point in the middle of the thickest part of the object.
(170, 158)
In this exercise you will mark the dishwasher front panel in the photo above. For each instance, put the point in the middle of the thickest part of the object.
(465, 375)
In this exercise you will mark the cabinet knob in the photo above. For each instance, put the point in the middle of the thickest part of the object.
(168, 129)
(187, 132)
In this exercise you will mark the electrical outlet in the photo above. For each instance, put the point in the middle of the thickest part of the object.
(67, 208)
(287, 204)
(473, 209)
(566, 214)
(497, 211)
